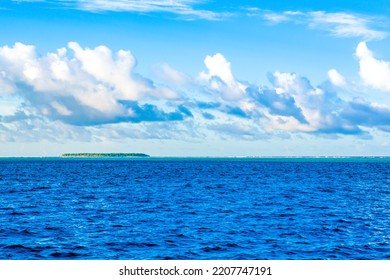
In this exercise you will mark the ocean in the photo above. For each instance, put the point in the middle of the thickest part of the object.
(187, 208)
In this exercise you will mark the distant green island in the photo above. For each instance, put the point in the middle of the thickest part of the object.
(103, 155)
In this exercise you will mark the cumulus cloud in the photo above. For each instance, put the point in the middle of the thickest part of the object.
(82, 86)
(221, 79)
(100, 64)
(280, 104)
(368, 114)
(373, 72)
(336, 78)
(95, 94)
(293, 104)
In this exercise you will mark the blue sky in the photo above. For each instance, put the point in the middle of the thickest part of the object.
(195, 77)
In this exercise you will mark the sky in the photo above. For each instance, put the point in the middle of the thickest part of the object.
(195, 77)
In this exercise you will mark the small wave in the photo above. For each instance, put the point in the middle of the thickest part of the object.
(15, 246)
(170, 242)
(213, 249)
(39, 188)
(17, 214)
(343, 221)
(141, 244)
(64, 255)
(165, 258)
(232, 245)
(6, 208)
(25, 232)
(52, 228)
(22, 248)
(236, 210)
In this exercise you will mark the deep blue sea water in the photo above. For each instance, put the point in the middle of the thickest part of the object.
(195, 209)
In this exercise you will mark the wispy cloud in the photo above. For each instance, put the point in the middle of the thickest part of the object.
(346, 25)
(183, 8)
(275, 18)
(180, 7)
(337, 24)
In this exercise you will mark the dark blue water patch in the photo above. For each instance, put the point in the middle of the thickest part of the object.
(194, 209)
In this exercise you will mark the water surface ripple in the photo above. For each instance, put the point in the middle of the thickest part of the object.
(194, 209)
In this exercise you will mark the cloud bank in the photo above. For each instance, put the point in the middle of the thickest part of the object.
(82, 86)
(96, 94)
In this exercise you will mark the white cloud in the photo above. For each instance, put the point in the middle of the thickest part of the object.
(276, 18)
(290, 83)
(336, 78)
(19, 62)
(345, 25)
(30, 0)
(6, 85)
(320, 109)
(167, 73)
(184, 8)
(373, 72)
(220, 77)
(218, 66)
(338, 24)
(180, 7)
(61, 109)
(95, 94)
(78, 83)
(91, 83)
(285, 123)
(115, 72)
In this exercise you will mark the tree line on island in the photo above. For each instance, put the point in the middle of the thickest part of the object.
(97, 155)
